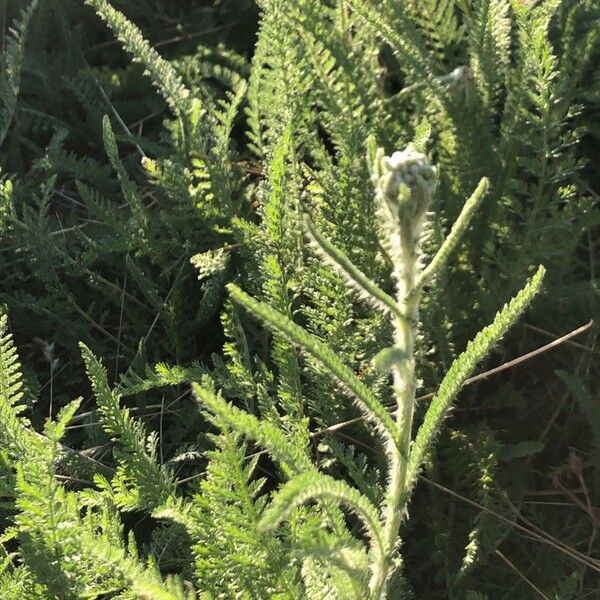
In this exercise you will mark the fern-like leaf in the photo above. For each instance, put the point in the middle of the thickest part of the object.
(263, 432)
(365, 399)
(355, 278)
(163, 75)
(11, 68)
(460, 370)
(140, 481)
(316, 486)
(13, 434)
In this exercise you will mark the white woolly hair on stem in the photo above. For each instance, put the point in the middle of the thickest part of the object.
(404, 185)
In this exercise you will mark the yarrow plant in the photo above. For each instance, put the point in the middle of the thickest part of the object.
(251, 183)
(404, 184)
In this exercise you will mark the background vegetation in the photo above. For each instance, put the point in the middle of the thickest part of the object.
(134, 188)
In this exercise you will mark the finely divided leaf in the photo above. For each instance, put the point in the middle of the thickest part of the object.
(365, 399)
(316, 486)
(462, 368)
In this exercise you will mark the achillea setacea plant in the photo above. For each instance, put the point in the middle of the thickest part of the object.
(261, 195)
(404, 183)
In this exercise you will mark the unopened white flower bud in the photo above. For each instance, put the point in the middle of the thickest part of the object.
(409, 168)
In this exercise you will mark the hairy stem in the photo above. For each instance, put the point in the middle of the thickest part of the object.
(405, 183)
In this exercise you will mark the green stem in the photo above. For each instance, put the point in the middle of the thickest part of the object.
(404, 382)
(404, 184)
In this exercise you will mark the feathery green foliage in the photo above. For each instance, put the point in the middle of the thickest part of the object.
(160, 71)
(139, 482)
(206, 196)
(11, 393)
(462, 368)
(12, 63)
(70, 544)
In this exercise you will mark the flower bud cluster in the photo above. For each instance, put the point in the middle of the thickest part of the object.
(404, 182)
(410, 168)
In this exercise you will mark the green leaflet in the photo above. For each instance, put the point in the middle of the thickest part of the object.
(263, 432)
(141, 482)
(462, 368)
(316, 486)
(163, 75)
(367, 290)
(458, 229)
(11, 68)
(388, 358)
(371, 407)
(13, 432)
